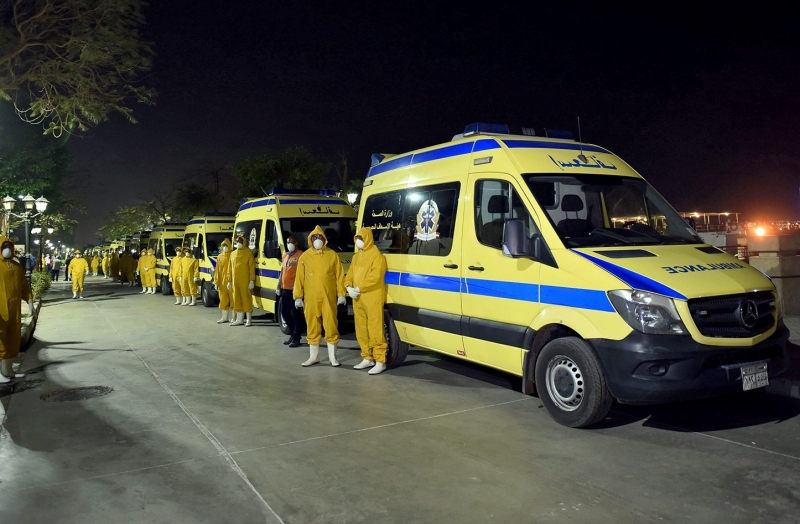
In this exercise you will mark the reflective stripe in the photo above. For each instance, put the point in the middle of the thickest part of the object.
(634, 280)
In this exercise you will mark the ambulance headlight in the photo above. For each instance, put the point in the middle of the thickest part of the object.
(647, 312)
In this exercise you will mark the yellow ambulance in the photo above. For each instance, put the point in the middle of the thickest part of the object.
(267, 222)
(164, 240)
(204, 235)
(555, 261)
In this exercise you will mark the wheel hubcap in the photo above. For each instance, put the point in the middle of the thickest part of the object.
(565, 383)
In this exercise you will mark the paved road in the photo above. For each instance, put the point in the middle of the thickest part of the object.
(211, 423)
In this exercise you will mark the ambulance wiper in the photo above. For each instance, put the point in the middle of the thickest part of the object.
(610, 234)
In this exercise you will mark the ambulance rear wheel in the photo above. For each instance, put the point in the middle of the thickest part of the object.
(166, 287)
(397, 350)
(205, 294)
(571, 384)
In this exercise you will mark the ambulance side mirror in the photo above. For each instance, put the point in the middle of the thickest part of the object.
(158, 253)
(516, 243)
(198, 252)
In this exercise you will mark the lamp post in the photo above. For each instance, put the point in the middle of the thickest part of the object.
(41, 205)
(352, 197)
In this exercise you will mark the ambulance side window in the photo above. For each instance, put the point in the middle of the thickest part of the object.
(251, 231)
(271, 242)
(429, 218)
(384, 214)
(496, 201)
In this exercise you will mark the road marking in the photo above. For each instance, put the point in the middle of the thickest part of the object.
(203, 429)
(381, 426)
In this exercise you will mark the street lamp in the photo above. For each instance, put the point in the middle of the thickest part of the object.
(41, 205)
(352, 197)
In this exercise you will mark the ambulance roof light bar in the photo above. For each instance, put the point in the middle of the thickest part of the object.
(484, 128)
(277, 191)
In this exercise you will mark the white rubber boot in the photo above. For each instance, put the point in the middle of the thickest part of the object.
(74, 294)
(233, 315)
(144, 290)
(185, 301)
(248, 317)
(178, 301)
(364, 364)
(313, 358)
(224, 317)
(239, 319)
(80, 295)
(192, 302)
(332, 355)
(379, 368)
(7, 369)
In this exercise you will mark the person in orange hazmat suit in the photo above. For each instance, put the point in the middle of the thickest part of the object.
(365, 285)
(243, 280)
(319, 289)
(222, 278)
(190, 275)
(13, 290)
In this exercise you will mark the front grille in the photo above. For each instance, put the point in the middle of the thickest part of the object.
(723, 316)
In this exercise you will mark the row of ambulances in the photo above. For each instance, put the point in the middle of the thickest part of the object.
(508, 250)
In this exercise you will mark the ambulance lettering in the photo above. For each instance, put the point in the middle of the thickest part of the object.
(673, 270)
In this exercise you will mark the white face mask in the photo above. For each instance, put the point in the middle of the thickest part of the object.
(289, 247)
(318, 244)
(224, 249)
(360, 244)
(7, 252)
(77, 256)
(238, 245)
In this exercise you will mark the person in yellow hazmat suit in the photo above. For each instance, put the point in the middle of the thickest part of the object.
(149, 271)
(175, 271)
(222, 279)
(243, 280)
(105, 264)
(190, 275)
(95, 264)
(13, 290)
(364, 283)
(78, 269)
(140, 271)
(127, 268)
(114, 265)
(319, 289)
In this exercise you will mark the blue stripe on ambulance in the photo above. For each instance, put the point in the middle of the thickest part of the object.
(634, 280)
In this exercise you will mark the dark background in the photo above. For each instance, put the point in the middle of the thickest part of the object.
(703, 103)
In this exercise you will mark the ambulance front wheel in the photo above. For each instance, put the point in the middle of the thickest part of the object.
(397, 350)
(166, 287)
(571, 384)
(205, 294)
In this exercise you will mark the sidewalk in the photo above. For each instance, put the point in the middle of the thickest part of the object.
(788, 384)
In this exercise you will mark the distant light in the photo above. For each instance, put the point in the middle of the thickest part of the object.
(760, 231)
(352, 197)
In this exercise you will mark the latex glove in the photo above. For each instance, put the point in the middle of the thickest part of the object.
(251, 285)
(197, 279)
(229, 286)
(170, 279)
(147, 269)
(30, 307)
(298, 303)
(180, 279)
(137, 273)
(353, 292)
(86, 273)
(341, 301)
(216, 288)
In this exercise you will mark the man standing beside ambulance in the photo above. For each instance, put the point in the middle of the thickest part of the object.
(286, 281)
(364, 283)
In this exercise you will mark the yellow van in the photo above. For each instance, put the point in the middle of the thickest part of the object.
(139, 243)
(267, 222)
(204, 235)
(164, 240)
(555, 261)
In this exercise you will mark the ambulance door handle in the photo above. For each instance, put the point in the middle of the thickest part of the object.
(475, 268)
(451, 266)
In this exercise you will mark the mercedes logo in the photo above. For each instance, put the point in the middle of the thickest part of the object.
(748, 314)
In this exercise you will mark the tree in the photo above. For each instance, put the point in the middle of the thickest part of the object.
(68, 64)
(128, 220)
(295, 168)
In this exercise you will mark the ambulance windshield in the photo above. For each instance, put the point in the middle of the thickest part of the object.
(337, 231)
(593, 210)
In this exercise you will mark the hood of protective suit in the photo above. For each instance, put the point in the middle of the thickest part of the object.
(225, 242)
(366, 234)
(7, 242)
(151, 252)
(317, 231)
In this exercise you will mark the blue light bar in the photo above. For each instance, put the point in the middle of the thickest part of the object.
(479, 128)
(284, 191)
(559, 133)
(376, 159)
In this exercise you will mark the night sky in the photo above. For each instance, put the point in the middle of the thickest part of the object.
(705, 105)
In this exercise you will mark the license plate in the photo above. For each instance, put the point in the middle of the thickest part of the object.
(754, 376)
(349, 310)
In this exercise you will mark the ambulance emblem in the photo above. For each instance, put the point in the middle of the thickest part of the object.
(427, 221)
(252, 242)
